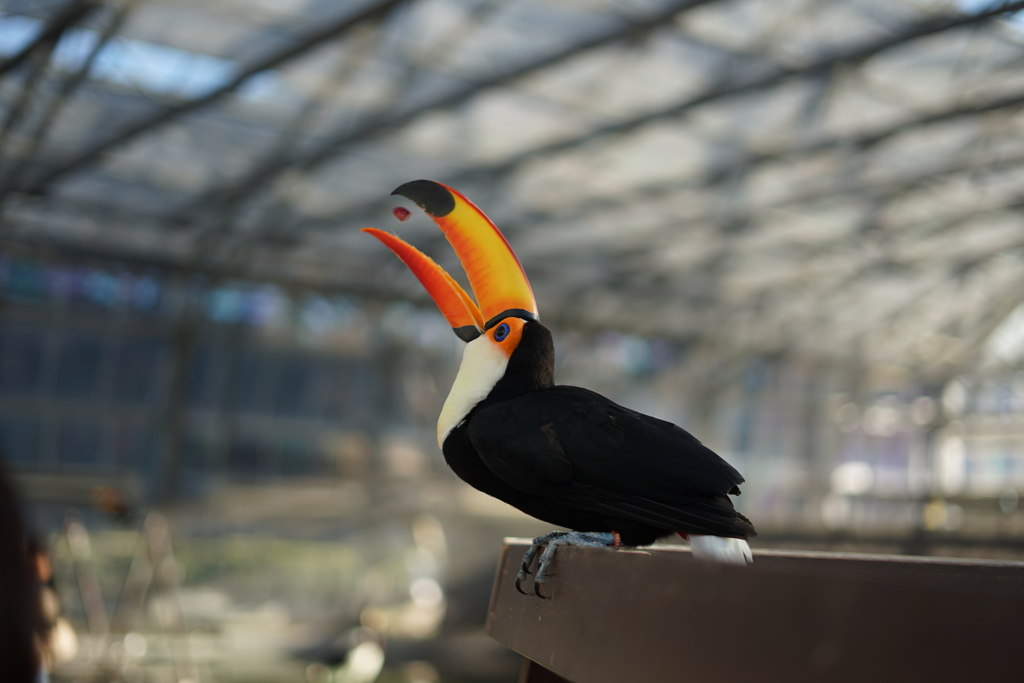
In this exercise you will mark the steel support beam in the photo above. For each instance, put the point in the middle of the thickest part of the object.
(720, 91)
(314, 39)
(381, 123)
(67, 88)
(70, 14)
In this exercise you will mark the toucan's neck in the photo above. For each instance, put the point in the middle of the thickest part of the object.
(530, 367)
(487, 374)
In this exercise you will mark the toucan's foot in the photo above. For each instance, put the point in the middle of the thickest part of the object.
(552, 541)
(528, 558)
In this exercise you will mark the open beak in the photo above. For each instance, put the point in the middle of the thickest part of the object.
(497, 278)
(460, 310)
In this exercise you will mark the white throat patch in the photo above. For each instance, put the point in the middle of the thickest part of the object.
(483, 364)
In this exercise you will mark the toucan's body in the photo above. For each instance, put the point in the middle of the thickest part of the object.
(565, 455)
(573, 458)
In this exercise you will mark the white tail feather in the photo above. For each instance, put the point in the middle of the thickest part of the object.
(718, 549)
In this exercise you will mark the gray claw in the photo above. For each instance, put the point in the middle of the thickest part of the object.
(524, 569)
(530, 555)
(552, 541)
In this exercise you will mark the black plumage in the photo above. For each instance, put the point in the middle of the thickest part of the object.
(573, 458)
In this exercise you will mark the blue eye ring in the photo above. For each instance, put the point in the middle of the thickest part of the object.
(501, 332)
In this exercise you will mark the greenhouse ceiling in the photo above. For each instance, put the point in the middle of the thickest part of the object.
(800, 176)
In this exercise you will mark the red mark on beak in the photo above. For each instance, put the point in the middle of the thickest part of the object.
(401, 213)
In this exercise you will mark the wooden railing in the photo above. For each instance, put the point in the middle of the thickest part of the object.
(660, 615)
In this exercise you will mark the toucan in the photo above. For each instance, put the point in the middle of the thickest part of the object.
(565, 455)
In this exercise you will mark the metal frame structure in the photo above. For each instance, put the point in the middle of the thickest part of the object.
(766, 118)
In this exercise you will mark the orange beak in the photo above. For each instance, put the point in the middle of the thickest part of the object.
(495, 274)
(460, 311)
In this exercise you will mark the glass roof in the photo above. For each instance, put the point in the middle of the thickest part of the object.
(828, 178)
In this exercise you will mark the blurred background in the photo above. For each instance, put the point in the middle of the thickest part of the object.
(792, 227)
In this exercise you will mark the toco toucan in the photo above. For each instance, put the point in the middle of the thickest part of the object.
(565, 455)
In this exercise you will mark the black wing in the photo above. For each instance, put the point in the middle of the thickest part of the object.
(588, 452)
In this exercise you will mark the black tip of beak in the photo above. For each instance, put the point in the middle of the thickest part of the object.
(432, 197)
(466, 333)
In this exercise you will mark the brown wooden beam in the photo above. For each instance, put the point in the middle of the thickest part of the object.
(532, 672)
(660, 615)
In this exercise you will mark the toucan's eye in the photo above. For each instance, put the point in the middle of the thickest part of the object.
(501, 332)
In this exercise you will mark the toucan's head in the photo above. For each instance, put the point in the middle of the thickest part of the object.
(508, 351)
